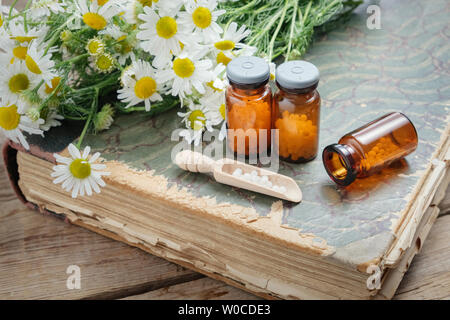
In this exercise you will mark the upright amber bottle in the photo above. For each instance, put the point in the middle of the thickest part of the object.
(248, 106)
(370, 148)
(297, 111)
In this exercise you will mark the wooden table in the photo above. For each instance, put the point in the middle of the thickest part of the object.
(35, 252)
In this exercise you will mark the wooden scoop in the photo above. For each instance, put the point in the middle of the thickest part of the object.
(223, 172)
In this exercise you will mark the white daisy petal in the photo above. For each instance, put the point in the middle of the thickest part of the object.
(79, 175)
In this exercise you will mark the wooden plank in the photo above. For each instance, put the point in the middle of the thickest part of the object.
(35, 252)
(202, 289)
(429, 275)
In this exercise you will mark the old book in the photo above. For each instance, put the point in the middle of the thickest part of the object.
(337, 243)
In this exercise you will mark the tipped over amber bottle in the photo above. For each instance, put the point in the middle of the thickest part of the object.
(248, 106)
(297, 111)
(370, 148)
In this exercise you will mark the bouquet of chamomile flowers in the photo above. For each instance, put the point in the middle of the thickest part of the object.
(88, 60)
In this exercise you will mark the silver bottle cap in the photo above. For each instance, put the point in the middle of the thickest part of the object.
(248, 70)
(297, 74)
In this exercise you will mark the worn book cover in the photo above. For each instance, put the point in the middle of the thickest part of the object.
(369, 228)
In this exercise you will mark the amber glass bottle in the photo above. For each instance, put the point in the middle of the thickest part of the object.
(248, 106)
(297, 111)
(370, 148)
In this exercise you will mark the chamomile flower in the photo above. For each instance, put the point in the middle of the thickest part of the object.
(134, 8)
(45, 89)
(95, 46)
(201, 17)
(40, 62)
(124, 44)
(94, 15)
(141, 85)
(79, 174)
(232, 38)
(161, 35)
(187, 70)
(214, 100)
(124, 51)
(44, 8)
(13, 123)
(17, 32)
(197, 119)
(229, 46)
(113, 32)
(51, 118)
(219, 82)
(104, 63)
(13, 51)
(15, 79)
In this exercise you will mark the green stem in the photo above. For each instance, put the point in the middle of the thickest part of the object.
(55, 36)
(11, 9)
(73, 60)
(267, 27)
(38, 85)
(89, 120)
(241, 9)
(24, 14)
(291, 32)
(99, 85)
(305, 15)
(51, 95)
(277, 30)
(157, 107)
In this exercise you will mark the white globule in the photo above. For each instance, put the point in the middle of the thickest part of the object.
(262, 180)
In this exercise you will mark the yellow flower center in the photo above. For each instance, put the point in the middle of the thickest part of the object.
(202, 17)
(224, 45)
(19, 82)
(32, 65)
(197, 120)
(222, 110)
(145, 87)
(184, 68)
(55, 83)
(9, 117)
(147, 3)
(22, 39)
(95, 46)
(104, 62)
(94, 20)
(1, 20)
(222, 58)
(211, 85)
(19, 52)
(80, 168)
(166, 27)
(101, 2)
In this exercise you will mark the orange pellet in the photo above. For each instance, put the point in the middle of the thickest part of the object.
(297, 136)
(384, 149)
(250, 116)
